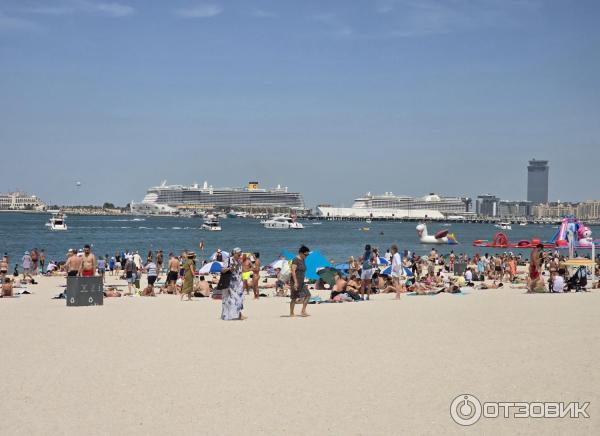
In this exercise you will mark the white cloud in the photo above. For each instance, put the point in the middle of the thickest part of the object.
(112, 9)
(261, 13)
(200, 11)
(8, 24)
(336, 26)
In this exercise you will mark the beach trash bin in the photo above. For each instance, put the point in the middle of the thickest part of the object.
(85, 291)
(460, 268)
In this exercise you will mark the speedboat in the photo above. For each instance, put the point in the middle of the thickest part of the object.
(504, 225)
(283, 222)
(211, 223)
(369, 221)
(57, 222)
(523, 223)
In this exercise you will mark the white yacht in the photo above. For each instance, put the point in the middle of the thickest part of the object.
(57, 222)
(505, 225)
(211, 223)
(283, 222)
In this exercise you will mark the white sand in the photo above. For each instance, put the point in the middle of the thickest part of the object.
(161, 366)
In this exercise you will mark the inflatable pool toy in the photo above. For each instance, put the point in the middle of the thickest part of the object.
(500, 240)
(441, 237)
(571, 229)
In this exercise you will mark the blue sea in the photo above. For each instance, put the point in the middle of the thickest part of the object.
(334, 239)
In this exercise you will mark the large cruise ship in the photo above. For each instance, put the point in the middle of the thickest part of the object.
(393, 206)
(170, 198)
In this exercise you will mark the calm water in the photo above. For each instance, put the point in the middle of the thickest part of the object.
(337, 240)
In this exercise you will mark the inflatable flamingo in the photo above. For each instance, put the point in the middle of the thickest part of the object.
(441, 237)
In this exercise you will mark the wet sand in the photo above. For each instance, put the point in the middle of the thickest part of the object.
(161, 366)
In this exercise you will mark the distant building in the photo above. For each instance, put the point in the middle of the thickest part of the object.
(588, 210)
(554, 210)
(20, 201)
(514, 209)
(537, 181)
(487, 205)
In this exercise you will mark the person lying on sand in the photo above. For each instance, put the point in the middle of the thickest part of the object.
(492, 285)
(111, 292)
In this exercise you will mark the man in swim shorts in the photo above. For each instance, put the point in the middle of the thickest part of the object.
(173, 273)
(88, 263)
(72, 264)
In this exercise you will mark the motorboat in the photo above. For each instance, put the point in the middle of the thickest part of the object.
(283, 222)
(505, 225)
(57, 222)
(523, 223)
(369, 221)
(211, 223)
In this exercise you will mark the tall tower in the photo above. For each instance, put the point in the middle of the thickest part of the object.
(537, 181)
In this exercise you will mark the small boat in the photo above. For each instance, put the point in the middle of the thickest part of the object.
(318, 223)
(369, 221)
(504, 225)
(222, 216)
(57, 222)
(523, 223)
(211, 223)
(283, 222)
(365, 229)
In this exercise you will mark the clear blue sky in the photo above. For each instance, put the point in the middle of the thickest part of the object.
(332, 98)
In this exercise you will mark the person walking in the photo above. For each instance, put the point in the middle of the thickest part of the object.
(188, 276)
(233, 293)
(256, 275)
(299, 293)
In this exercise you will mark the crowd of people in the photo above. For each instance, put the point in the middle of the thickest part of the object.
(240, 274)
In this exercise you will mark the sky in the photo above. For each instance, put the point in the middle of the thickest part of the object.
(331, 98)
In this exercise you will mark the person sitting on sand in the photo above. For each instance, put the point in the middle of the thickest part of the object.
(148, 291)
(353, 283)
(202, 288)
(7, 288)
(394, 286)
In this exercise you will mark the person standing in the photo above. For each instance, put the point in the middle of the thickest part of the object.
(299, 293)
(188, 275)
(152, 273)
(42, 260)
(173, 273)
(4, 266)
(159, 262)
(129, 274)
(26, 264)
(72, 264)
(233, 294)
(256, 275)
(88, 263)
(397, 269)
(368, 264)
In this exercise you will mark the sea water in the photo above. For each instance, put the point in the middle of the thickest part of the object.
(336, 240)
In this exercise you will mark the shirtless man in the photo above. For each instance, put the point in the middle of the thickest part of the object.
(202, 288)
(7, 288)
(73, 263)
(88, 263)
(4, 266)
(173, 273)
(159, 262)
(256, 275)
(246, 273)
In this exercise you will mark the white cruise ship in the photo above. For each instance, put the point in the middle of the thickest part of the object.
(393, 206)
(209, 197)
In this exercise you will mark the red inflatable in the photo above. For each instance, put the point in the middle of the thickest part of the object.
(501, 241)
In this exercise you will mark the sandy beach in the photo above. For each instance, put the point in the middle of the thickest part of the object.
(159, 366)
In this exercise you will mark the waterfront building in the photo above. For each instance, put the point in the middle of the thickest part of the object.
(486, 205)
(20, 201)
(537, 181)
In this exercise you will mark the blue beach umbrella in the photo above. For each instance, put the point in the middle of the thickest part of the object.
(383, 261)
(388, 271)
(211, 268)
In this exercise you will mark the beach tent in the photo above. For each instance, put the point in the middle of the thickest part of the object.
(327, 274)
(314, 261)
(211, 267)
